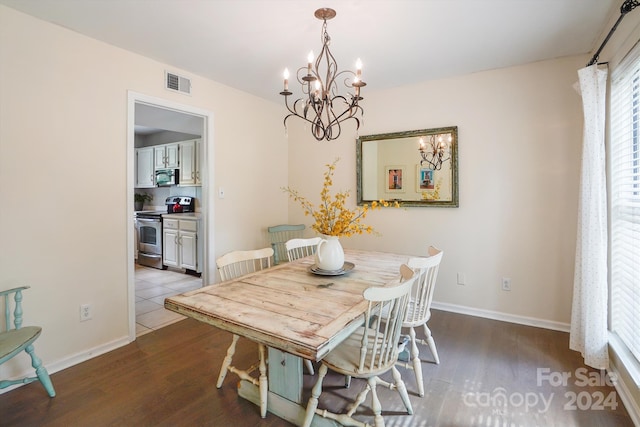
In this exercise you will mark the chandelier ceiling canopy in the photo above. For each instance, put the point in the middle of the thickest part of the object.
(322, 105)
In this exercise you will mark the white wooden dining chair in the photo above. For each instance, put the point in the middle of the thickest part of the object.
(15, 338)
(278, 236)
(300, 248)
(370, 351)
(419, 309)
(230, 266)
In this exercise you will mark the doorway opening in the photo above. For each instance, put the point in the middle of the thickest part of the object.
(184, 134)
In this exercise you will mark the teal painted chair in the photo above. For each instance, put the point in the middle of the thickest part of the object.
(278, 236)
(14, 339)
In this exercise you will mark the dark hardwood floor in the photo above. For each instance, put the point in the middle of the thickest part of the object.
(491, 374)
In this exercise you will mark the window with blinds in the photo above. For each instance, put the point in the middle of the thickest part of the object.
(624, 158)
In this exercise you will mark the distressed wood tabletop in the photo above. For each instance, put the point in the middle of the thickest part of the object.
(287, 307)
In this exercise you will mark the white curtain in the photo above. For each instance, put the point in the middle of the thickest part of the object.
(589, 334)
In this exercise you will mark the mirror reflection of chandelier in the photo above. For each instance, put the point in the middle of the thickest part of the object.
(435, 151)
(322, 105)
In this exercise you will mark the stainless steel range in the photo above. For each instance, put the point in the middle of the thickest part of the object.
(149, 229)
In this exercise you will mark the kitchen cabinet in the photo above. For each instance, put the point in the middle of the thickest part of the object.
(190, 161)
(144, 167)
(181, 245)
(166, 156)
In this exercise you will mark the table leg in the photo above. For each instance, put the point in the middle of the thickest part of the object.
(285, 390)
(285, 375)
(281, 407)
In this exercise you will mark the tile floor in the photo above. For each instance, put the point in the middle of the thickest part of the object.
(152, 287)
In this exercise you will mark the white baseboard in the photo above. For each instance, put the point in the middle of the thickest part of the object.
(72, 360)
(505, 317)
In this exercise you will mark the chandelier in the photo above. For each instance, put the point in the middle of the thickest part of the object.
(321, 105)
(435, 151)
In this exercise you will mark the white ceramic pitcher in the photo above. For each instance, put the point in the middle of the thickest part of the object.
(329, 254)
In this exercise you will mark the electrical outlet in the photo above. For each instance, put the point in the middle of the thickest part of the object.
(85, 312)
(461, 279)
(506, 283)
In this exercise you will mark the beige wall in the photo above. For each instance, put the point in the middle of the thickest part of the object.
(519, 154)
(64, 220)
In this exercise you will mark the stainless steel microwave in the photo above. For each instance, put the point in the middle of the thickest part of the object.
(167, 177)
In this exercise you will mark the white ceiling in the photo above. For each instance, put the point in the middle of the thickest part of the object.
(246, 44)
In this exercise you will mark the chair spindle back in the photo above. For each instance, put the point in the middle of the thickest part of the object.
(238, 263)
(426, 270)
(12, 308)
(278, 236)
(300, 248)
(385, 314)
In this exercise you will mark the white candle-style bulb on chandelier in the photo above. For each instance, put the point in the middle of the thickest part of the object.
(322, 106)
(435, 151)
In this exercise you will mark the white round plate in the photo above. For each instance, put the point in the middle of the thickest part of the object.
(348, 266)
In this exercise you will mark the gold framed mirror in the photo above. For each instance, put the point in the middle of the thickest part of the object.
(414, 168)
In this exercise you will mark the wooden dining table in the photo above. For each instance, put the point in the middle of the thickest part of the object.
(295, 313)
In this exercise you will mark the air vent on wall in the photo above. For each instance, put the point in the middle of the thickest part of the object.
(177, 83)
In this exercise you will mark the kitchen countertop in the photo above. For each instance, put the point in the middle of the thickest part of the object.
(185, 215)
